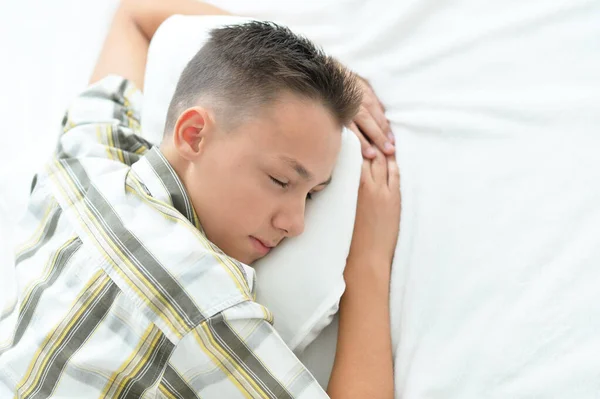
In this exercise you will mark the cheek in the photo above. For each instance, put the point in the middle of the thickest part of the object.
(242, 200)
(252, 195)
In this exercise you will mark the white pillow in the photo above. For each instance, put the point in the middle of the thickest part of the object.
(301, 281)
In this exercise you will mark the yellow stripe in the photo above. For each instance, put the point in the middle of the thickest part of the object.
(47, 270)
(217, 361)
(69, 124)
(165, 392)
(59, 334)
(268, 315)
(149, 350)
(142, 150)
(109, 132)
(293, 379)
(196, 221)
(125, 259)
(113, 378)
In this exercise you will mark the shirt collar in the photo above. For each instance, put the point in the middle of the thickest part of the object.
(163, 183)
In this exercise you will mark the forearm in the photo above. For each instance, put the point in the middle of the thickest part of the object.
(126, 46)
(149, 14)
(363, 365)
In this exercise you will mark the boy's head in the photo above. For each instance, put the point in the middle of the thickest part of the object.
(254, 128)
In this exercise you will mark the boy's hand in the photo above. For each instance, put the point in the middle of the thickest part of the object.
(377, 221)
(370, 124)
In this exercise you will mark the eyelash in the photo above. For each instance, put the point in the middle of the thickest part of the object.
(284, 185)
(279, 182)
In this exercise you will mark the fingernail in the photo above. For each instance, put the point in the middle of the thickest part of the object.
(391, 137)
(388, 147)
(370, 152)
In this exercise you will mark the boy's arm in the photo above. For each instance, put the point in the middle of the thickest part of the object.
(126, 47)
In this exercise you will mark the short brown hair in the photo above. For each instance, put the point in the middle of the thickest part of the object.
(252, 63)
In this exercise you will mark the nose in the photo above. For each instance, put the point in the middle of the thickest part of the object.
(290, 219)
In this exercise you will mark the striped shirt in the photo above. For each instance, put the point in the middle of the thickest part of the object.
(121, 295)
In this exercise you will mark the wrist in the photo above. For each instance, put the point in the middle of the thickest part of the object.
(368, 274)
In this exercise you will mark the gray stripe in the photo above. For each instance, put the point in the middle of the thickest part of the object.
(137, 145)
(177, 385)
(172, 183)
(33, 183)
(81, 330)
(65, 119)
(126, 155)
(28, 308)
(237, 349)
(144, 261)
(47, 233)
(126, 142)
(132, 142)
(77, 173)
(119, 95)
(150, 372)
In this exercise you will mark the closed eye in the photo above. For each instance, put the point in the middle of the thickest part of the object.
(278, 182)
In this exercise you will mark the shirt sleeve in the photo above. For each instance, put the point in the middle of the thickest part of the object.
(104, 122)
(237, 354)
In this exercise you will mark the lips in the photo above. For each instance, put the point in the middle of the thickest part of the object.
(266, 243)
(262, 247)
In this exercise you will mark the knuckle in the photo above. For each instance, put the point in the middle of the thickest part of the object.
(385, 126)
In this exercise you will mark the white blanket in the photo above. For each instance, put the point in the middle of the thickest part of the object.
(496, 109)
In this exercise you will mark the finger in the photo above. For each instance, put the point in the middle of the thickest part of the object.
(381, 105)
(365, 173)
(366, 148)
(393, 173)
(375, 106)
(369, 127)
(372, 104)
(379, 168)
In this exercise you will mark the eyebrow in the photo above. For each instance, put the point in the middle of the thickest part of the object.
(302, 171)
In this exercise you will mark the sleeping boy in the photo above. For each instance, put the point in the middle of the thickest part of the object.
(134, 273)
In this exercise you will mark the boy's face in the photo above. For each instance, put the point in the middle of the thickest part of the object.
(249, 185)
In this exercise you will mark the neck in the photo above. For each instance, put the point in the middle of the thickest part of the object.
(179, 164)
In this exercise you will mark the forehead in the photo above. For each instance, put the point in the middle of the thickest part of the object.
(291, 129)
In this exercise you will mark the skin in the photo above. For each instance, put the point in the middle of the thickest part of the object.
(275, 160)
(229, 172)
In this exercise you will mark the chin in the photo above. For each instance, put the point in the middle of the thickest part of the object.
(244, 258)
(241, 254)
(250, 260)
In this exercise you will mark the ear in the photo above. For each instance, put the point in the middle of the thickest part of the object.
(191, 130)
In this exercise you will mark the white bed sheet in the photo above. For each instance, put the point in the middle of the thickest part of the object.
(496, 109)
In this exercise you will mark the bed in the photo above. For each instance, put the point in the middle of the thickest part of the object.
(496, 110)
